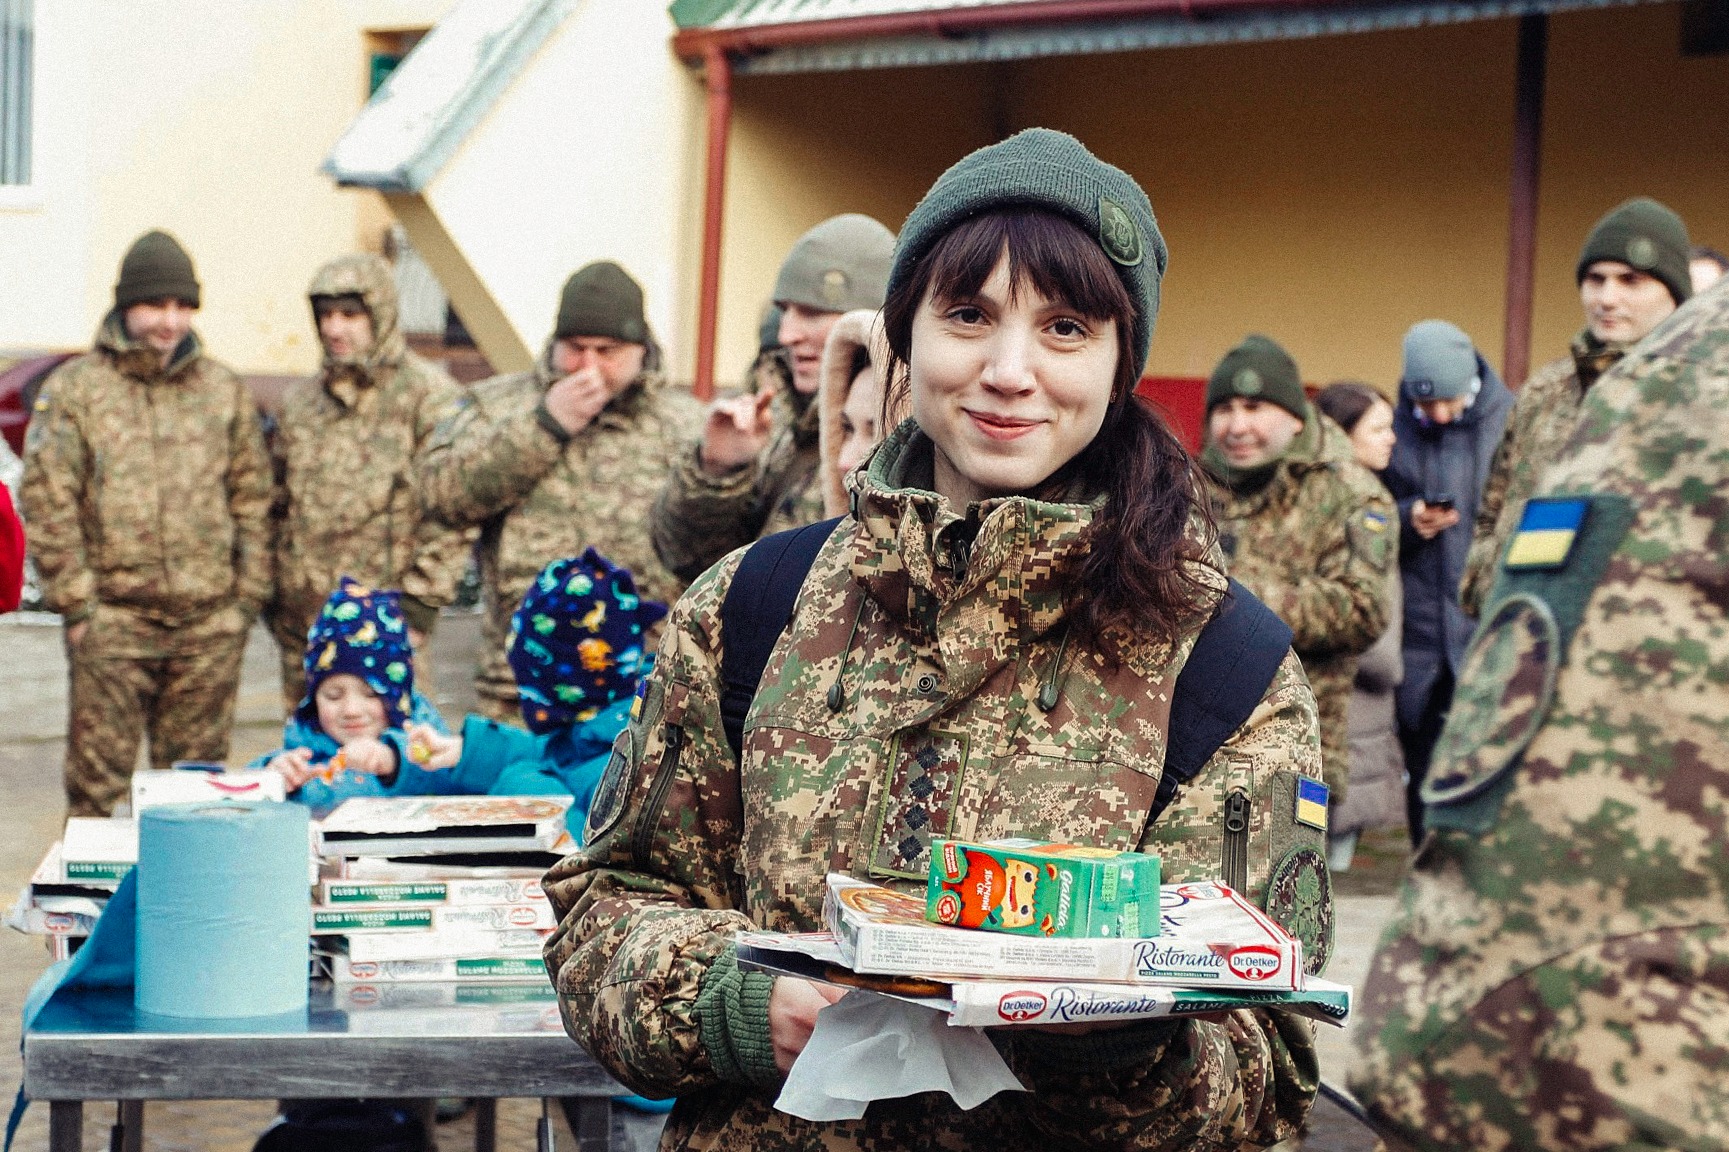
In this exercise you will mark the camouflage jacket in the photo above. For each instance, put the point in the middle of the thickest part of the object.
(699, 518)
(1556, 975)
(347, 496)
(1317, 544)
(939, 734)
(498, 464)
(1542, 419)
(147, 487)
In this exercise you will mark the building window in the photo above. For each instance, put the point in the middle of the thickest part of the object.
(16, 31)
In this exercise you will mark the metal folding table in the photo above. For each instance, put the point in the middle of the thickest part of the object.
(415, 1041)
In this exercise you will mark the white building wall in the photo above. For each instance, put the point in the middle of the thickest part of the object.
(593, 153)
(204, 117)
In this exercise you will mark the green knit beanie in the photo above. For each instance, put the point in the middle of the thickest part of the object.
(839, 265)
(1041, 168)
(155, 267)
(601, 299)
(1258, 369)
(1645, 235)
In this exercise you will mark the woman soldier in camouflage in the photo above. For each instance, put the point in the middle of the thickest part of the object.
(985, 647)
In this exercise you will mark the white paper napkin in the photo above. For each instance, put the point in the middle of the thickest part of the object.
(867, 1047)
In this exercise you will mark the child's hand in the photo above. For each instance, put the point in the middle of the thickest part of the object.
(369, 757)
(432, 749)
(294, 766)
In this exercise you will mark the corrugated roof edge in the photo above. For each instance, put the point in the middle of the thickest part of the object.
(1243, 25)
(446, 129)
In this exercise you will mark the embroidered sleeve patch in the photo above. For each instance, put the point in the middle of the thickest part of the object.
(1300, 898)
(1504, 691)
(1548, 528)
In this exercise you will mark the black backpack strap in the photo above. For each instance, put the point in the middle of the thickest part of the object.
(1233, 661)
(757, 608)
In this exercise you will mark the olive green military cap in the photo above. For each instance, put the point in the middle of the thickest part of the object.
(1042, 168)
(156, 267)
(1645, 235)
(840, 265)
(1258, 369)
(602, 299)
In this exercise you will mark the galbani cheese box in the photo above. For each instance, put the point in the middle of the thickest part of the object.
(1209, 937)
(1035, 888)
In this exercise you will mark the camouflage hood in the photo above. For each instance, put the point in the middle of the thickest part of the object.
(369, 277)
(1011, 558)
(853, 331)
(137, 359)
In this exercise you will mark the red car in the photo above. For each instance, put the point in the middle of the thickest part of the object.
(19, 382)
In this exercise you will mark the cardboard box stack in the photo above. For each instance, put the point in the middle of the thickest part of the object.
(418, 890)
(411, 891)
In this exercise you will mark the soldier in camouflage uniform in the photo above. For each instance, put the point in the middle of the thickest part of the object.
(565, 457)
(347, 445)
(1308, 529)
(1632, 274)
(939, 679)
(1556, 975)
(745, 478)
(147, 498)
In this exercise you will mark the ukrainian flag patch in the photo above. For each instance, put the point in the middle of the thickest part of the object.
(1374, 522)
(1312, 803)
(1548, 529)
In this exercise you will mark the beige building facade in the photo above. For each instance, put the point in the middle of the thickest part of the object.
(206, 118)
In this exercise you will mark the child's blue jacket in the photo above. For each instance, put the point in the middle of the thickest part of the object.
(411, 779)
(505, 761)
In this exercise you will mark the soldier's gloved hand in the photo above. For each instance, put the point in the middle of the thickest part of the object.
(294, 766)
(432, 749)
(792, 1009)
(735, 432)
(372, 757)
(577, 399)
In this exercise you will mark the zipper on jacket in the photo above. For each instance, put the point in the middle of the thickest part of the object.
(1234, 868)
(649, 819)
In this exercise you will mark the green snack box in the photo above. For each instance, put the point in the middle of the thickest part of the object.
(1034, 888)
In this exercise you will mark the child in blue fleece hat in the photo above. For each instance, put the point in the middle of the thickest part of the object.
(577, 648)
(347, 737)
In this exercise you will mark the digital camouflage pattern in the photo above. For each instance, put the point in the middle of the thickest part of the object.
(348, 492)
(1543, 417)
(939, 735)
(1316, 545)
(700, 518)
(1559, 979)
(495, 465)
(147, 495)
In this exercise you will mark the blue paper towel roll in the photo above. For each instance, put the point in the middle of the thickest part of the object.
(223, 909)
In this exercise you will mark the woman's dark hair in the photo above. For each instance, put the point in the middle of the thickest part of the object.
(1346, 401)
(1135, 578)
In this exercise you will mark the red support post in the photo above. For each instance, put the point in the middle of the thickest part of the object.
(1522, 212)
(717, 78)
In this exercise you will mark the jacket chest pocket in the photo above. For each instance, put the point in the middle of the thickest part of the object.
(1075, 797)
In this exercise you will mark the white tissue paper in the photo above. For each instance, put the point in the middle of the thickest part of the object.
(867, 1047)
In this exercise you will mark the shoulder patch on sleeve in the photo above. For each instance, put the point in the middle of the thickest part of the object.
(1300, 898)
(1368, 531)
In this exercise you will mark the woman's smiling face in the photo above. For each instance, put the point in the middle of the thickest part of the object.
(1008, 384)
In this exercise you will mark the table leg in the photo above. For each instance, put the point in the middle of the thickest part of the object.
(485, 1124)
(427, 1110)
(590, 1118)
(129, 1135)
(66, 1126)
